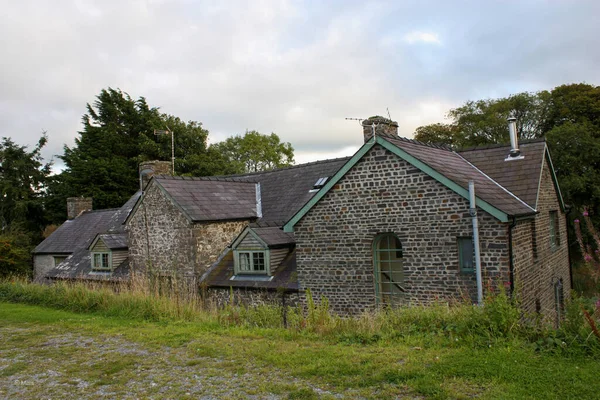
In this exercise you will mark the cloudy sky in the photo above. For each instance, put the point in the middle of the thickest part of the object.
(291, 67)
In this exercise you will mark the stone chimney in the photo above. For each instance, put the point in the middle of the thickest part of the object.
(76, 205)
(382, 126)
(150, 168)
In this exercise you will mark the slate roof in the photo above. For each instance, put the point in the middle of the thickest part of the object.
(78, 266)
(76, 235)
(114, 241)
(220, 273)
(521, 177)
(274, 236)
(459, 170)
(284, 191)
(211, 200)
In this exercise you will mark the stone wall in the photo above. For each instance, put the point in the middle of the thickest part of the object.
(382, 193)
(250, 297)
(161, 238)
(535, 276)
(42, 263)
(211, 239)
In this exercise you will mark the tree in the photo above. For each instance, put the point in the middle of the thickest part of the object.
(256, 152)
(118, 134)
(484, 121)
(15, 253)
(23, 178)
(438, 134)
(193, 156)
(103, 162)
(568, 117)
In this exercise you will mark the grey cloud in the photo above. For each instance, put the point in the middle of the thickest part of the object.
(294, 68)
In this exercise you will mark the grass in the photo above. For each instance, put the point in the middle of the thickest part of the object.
(298, 365)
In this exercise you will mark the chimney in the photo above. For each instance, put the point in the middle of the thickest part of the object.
(381, 125)
(149, 168)
(77, 205)
(515, 153)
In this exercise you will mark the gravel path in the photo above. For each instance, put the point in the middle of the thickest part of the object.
(36, 364)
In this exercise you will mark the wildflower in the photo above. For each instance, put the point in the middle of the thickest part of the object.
(587, 258)
(576, 221)
(585, 213)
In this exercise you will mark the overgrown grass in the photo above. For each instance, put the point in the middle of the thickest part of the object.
(500, 320)
(300, 368)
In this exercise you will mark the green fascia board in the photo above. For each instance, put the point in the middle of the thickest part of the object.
(450, 184)
(498, 214)
(289, 226)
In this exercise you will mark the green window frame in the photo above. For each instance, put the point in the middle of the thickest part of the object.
(554, 231)
(101, 261)
(466, 254)
(254, 262)
(389, 270)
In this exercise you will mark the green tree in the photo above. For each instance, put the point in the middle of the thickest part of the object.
(103, 162)
(568, 117)
(118, 134)
(256, 152)
(23, 178)
(193, 156)
(15, 253)
(484, 121)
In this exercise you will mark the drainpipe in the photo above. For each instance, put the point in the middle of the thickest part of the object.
(473, 212)
(511, 264)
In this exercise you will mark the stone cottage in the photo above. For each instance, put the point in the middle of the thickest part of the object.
(91, 244)
(390, 225)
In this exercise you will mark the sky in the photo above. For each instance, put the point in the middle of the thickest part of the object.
(296, 68)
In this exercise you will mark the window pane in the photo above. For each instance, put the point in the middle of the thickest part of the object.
(465, 254)
(258, 261)
(244, 261)
(97, 261)
(105, 261)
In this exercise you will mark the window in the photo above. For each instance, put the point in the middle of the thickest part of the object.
(101, 262)
(251, 262)
(466, 254)
(389, 269)
(59, 259)
(554, 233)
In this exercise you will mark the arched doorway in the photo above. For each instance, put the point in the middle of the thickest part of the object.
(389, 270)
